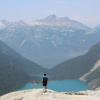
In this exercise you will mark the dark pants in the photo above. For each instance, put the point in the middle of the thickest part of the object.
(45, 87)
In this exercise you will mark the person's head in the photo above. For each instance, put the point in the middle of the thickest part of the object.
(44, 74)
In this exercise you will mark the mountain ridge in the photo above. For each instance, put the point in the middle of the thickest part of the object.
(15, 70)
(49, 44)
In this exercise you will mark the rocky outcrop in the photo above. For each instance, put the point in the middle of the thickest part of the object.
(37, 94)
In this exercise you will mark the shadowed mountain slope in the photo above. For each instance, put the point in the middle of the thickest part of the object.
(15, 70)
(76, 67)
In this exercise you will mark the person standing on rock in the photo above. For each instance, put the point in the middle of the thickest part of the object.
(45, 82)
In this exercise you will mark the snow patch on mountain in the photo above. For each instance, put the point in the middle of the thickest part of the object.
(96, 66)
(22, 43)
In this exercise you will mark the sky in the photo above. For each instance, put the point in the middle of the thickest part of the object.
(85, 11)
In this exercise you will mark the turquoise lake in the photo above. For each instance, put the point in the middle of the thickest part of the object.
(61, 86)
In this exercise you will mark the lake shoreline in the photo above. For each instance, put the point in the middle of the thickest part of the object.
(60, 86)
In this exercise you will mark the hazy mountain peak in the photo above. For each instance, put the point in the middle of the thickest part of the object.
(54, 18)
(64, 18)
(51, 18)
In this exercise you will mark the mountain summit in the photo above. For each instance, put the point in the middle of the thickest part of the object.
(51, 18)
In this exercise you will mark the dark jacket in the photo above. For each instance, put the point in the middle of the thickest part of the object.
(45, 81)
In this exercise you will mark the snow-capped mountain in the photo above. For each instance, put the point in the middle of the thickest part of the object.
(3, 24)
(48, 41)
(53, 20)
